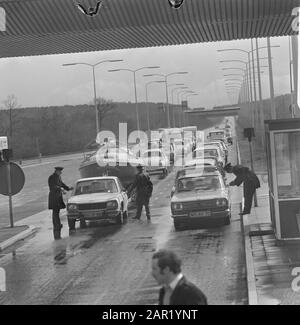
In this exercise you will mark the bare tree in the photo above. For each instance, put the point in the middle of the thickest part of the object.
(105, 108)
(9, 104)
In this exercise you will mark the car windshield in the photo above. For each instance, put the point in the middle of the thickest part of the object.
(209, 182)
(96, 186)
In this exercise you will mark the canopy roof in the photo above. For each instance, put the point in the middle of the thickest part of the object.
(39, 27)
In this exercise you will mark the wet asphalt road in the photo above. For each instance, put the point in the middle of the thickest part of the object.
(33, 197)
(111, 264)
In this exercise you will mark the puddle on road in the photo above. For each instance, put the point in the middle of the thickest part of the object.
(75, 245)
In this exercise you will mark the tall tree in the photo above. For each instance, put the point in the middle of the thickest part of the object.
(9, 104)
(105, 107)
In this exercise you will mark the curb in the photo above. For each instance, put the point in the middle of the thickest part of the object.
(251, 281)
(22, 235)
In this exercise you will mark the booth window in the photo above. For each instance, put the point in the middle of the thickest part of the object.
(287, 156)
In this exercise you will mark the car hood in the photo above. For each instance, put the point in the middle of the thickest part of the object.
(92, 198)
(189, 196)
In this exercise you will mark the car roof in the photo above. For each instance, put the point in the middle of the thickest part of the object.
(97, 178)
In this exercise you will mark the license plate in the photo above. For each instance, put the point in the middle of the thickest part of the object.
(94, 215)
(198, 214)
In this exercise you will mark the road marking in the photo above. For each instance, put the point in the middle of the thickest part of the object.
(33, 165)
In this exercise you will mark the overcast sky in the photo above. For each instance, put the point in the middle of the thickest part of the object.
(42, 81)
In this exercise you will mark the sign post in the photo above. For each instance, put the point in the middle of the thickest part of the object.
(12, 175)
(10, 195)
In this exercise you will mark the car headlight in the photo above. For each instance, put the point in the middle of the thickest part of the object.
(72, 207)
(112, 205)
(177, 206)
(221, 202)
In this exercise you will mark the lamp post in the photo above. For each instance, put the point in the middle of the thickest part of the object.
(172, 112)
(148, 115)
(166, 76)
(94, 81)
(180, 104)
(172, 93)
(135, 95)
(186, 93)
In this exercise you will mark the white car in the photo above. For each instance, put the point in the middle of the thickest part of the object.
(211, 151)
(97, 199)
(156, 162)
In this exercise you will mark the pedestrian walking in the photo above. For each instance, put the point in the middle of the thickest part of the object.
(249, 179)
(176, 289)
(144, 188)
(55, 200)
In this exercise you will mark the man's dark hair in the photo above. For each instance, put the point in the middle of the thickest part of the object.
(168, 258)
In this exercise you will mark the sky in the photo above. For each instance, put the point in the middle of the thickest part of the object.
(43, 81)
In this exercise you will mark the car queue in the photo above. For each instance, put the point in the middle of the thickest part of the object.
(199, 192)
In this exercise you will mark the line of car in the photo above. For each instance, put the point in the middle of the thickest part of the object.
(199, 190)
(199, 194)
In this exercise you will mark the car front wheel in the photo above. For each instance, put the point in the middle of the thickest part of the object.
(177, 225)
(227, 220)
(71, 223)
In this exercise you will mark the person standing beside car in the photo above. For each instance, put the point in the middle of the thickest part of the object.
(249, 179)
(144, 188)
(55, 199)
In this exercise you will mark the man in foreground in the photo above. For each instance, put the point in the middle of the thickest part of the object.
(176, 289)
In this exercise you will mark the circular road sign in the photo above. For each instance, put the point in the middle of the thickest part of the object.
(17, 178)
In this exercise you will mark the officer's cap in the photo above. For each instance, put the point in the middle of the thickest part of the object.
(59, 168)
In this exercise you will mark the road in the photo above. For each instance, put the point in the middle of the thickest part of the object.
(111, 264)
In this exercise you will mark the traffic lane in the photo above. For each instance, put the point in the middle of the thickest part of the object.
(96, 262)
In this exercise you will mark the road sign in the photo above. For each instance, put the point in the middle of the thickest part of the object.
(3, 143)
(17, 178)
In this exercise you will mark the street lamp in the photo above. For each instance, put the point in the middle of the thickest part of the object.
(95, 96)
(147, 84)
(165, 76)
(188, 95)
(172, 93)
(134, 80)
(180, 103)
(173, 117)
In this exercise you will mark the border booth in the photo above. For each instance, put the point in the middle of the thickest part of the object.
(283, 158)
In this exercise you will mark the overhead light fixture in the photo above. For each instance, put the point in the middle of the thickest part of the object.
(175, 4)
(91, 12)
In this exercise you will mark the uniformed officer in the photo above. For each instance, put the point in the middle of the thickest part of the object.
(55, 200)
(144, 188)
(250, 180)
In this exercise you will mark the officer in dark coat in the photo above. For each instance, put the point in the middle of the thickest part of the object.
(55, 200)
(144, 188)
(250, 180)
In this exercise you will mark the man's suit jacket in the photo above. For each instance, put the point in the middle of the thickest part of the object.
(185, 293)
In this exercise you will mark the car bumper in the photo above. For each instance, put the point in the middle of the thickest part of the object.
(215, 215)
(94, 215)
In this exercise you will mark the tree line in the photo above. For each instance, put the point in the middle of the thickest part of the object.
(60, 129)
